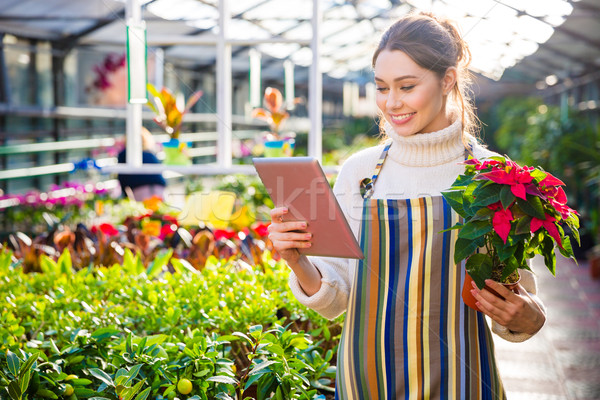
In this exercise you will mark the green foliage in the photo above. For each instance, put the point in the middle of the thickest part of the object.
(128, 332)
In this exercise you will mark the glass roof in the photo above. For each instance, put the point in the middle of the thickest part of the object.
(500, 32)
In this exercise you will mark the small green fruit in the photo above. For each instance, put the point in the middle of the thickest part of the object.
(69, 390)
(184, 386)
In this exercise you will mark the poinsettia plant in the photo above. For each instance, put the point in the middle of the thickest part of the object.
(510, 213)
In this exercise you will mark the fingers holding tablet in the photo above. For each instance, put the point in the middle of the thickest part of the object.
(288, 236)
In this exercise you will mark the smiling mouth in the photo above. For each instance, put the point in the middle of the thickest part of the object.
(400, 118)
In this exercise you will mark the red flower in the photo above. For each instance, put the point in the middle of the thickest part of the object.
(501, 221)
(489, 163)
(108, 229)
(166, 230)
(512, 175)
(261, 229)
(549, 225)
(224, 234)
(550, 180)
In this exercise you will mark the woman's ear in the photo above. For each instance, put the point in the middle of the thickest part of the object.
(449, 80)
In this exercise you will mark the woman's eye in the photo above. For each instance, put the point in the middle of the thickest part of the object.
(406, 88)
(381, 89)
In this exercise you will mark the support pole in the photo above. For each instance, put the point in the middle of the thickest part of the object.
(315, 87)
(133, 150)
(224, 88)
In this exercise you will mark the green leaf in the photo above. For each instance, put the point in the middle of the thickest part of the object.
(143, 394)
(24, 380)
(463, 249)
(266, 387)
(483, 214)
(129, 263)
(567, 249)
(255, 331)
(133, 373)
(487, 195)
(223, 379)
(479, 267)
(243, 335)
(506, 196)
(506, 252)
(160, 261)
(511, 266)
(262, 365)
(14, 364)
(103, 376)
(86, 393)
(128, 345)
(523, 225)
(26, 367)
(46, 393)
(455, 200)
(473, 230)
(104, 333)
(53, 347)
(64, 263)
(47, 264)
(547, 251)
(14, 390)
(81, 382)
(533, 207)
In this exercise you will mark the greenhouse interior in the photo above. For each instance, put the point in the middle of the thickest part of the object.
(142, 256)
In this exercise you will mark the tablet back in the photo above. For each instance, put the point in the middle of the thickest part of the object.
(299, 184)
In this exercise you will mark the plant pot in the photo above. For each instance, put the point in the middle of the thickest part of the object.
(280, 148)
(468, 297)
(176, 153)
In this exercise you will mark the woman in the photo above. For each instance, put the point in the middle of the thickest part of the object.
(407, 333)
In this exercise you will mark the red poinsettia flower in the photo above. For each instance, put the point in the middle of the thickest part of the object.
(549, 225)
(501, 222)
(550, 180)
(512, 175)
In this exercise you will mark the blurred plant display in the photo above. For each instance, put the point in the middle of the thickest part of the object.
(137, 306)
(161, 331)
(38, 211)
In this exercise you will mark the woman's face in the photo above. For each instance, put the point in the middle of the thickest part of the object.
(412, 99)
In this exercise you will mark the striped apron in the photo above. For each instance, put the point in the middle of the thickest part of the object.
(407, 333)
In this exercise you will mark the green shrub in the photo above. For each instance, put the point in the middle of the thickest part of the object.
(129, 332)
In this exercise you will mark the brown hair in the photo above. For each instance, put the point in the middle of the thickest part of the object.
(435, 44)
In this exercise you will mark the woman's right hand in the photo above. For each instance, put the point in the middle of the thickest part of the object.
(285, 236)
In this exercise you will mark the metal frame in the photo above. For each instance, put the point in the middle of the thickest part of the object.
(224, 96)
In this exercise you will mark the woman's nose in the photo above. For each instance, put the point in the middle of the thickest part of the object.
(395, 100)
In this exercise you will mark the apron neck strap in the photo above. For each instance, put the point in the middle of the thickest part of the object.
(367, 185)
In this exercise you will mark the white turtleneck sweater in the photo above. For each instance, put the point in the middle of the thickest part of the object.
(416, 166)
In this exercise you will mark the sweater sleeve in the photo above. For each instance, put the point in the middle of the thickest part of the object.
(332, 298)
(529, 283)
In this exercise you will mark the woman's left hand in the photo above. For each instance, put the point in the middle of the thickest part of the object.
(517, 312)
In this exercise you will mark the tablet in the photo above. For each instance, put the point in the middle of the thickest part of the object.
(299, 184)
